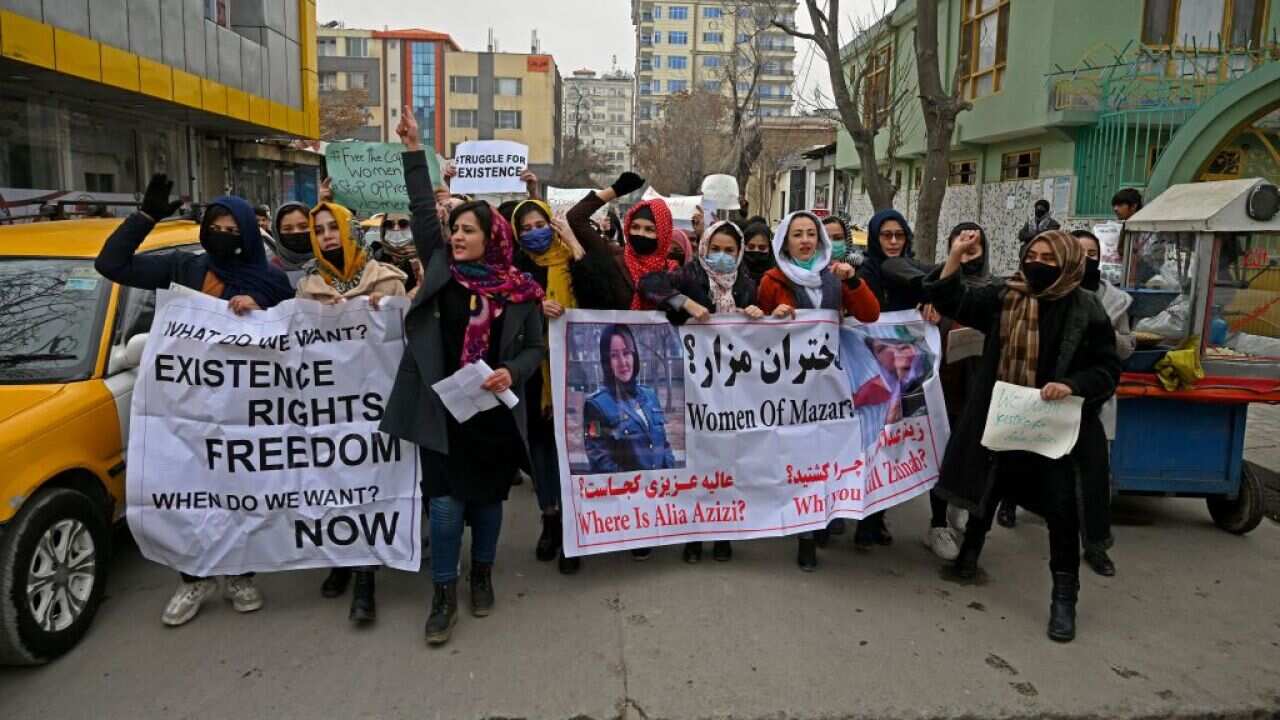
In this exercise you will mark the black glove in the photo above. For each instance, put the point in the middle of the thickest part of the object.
(627, 183)
(155, 201)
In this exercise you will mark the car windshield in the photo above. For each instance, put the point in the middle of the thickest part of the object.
(51, 314)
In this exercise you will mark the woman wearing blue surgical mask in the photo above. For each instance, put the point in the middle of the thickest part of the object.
(718, 282)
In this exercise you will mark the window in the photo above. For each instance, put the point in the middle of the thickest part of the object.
(646, 63)
(1024, 165)
(675, 86)
(357, 47)
(328, 81)
(657, 12)
(507, 120)
(677, 62)
(509, 86)
(678, 12)
(1203, 23)
(463, 118)
(713, 37)
(711, 85)
(710, 12)
(391, 77)
(646, 39)
(984, 39)
(326, 46)
(875, 100)
(99, 182)
(644, 86)
(646, 110)
(743, 37)
(917, 177)
(216, 10)
(711, 61)
(677, 38)
(462, 84)
(963, 172)
(357, 80)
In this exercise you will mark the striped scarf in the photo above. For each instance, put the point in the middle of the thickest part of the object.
(1020, 318)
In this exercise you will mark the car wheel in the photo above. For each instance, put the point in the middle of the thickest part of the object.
(53, 565)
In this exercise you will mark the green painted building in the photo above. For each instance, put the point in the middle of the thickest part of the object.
(1072, 100)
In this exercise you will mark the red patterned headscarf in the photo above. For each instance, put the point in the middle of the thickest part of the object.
(495, 282)
(640, 265)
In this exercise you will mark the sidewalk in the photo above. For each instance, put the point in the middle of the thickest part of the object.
(1190, 627)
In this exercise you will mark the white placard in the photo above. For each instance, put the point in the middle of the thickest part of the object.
(734, 428)
(254, 442)
(562, 200)
(1019, 420)
(489, 167)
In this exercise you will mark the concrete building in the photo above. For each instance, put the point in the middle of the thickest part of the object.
(597, 113)
(456, 95)
(699, 44)
(98, 95)
(1118, 94)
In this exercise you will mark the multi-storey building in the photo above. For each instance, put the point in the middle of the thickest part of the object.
(713, 45)
(1118, 94)
(456, 95)
(97, 96)
(597, 113)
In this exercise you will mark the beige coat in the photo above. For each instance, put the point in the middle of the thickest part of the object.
(377, 277)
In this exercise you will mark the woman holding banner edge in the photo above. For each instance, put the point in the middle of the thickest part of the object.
(472, 305)
(1042, 331)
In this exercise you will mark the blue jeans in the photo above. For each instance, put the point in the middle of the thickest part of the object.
(447, 519)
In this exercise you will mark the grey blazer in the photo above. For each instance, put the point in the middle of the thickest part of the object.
(414, 412)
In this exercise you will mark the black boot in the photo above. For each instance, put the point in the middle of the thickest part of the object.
(966, 564)
(481, 589)
(549, 540)
(444, 613)
(693, 553)
(822, 538)
(722, 551)
(1062, 607)
(1100, 562)
(569, 565)
(363, 607)
(1007, 515)
(336, 584)
(807, 558)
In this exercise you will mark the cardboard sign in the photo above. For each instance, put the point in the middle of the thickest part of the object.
(489, 167)
(368, 177)
(1019, 420)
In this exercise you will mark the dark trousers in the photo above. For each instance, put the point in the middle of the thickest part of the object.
(192, 578)
(1095, 489)
(1047, 488)
(546, 464)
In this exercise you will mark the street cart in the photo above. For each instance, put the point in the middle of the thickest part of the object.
(1202, 264)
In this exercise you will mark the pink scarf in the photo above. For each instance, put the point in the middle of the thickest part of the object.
(495, 282)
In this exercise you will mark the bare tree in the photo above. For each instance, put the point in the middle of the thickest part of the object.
(581, 163)
(343, 112)
(686, 144)
(847, 89)
(940, 110)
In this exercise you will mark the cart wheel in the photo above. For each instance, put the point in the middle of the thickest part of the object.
(1243, 514)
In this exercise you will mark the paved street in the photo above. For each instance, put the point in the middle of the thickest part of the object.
(1191, 626)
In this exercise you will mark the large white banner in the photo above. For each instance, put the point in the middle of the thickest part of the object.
(254, 442)
(735, 429)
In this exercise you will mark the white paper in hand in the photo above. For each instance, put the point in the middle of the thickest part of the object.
(1019, 420)
(462, 395)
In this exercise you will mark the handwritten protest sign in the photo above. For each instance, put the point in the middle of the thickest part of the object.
(735, 429)
(254, 442)
(369, 177)
(489, 167)
(1019, 420)
(563, 199)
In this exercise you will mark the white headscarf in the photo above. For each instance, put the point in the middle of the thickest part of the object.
(721, 284)
(809, 280)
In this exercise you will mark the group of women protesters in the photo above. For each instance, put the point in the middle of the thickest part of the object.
(483, 281)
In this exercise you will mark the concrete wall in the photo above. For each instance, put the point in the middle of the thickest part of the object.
(264, 41)
(538, 102)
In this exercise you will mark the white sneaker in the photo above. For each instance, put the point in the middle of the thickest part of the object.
(186, 601)
(243, 594)
(957, 518)
(942, 541)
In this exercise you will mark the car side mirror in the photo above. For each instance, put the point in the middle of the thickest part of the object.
(129, 356)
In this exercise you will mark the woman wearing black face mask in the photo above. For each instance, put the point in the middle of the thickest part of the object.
(758, 257)
(293, 240)
(234, 268)
(1042, 331)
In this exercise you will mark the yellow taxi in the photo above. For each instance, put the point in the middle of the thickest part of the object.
(70, 345)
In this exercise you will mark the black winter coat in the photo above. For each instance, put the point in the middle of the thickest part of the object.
(692, 281)
(599, 282)
(1086, 362)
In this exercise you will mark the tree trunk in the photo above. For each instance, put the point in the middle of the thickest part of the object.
(940, 110)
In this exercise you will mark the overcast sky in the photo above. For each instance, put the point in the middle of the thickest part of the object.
(579, 33)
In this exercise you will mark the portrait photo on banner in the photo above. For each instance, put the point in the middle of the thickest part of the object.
(887, 367)
(625, 405)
